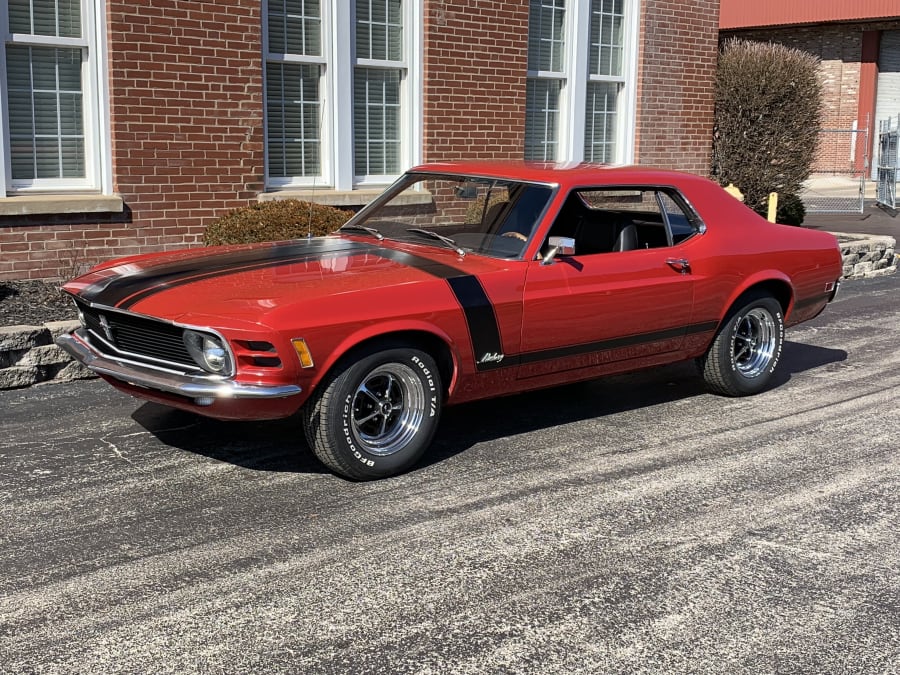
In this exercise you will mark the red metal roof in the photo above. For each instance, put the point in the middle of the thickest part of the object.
(735, 14)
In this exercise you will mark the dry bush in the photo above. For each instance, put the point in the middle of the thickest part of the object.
(275, 221)
(768, 115)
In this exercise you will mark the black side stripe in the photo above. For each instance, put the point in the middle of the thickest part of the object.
(484, 331)
(810, 302)
(614, 343)
(481, 319)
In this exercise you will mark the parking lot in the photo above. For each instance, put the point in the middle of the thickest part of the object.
(634, 524)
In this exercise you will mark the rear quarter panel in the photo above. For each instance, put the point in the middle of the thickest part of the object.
(740, 250)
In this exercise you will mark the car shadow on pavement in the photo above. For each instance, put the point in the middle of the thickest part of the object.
(275, 446)
(465, 425)
(279, 445)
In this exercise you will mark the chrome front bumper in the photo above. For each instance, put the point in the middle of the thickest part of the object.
(203, 390)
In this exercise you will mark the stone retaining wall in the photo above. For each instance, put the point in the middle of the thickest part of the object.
(29, 355)
(866, 255)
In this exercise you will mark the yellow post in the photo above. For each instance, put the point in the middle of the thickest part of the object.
(773, 206)
(734, 192)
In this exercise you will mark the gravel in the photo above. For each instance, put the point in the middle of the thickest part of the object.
(33, 303)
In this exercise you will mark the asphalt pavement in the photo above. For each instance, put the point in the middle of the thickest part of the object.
(633, 524)
(873, 220)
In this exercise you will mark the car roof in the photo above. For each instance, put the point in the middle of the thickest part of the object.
(564, 174)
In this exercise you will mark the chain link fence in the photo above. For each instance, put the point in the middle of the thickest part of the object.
(888, 162)
(838, 182)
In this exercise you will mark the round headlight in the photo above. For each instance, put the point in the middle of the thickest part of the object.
(207, 351)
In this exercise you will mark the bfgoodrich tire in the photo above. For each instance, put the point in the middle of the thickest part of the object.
(746, 350)
(376, 415)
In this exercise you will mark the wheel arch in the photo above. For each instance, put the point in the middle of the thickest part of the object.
(438, 346)
(776, 285)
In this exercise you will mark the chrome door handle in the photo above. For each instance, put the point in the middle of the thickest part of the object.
(679, 264)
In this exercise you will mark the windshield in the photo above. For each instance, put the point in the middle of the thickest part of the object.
(478, 215)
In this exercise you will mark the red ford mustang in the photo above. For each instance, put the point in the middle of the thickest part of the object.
(461, 282)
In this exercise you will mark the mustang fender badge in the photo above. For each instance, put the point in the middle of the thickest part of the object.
(491, 357)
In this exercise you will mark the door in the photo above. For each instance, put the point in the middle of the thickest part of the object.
(626, 294)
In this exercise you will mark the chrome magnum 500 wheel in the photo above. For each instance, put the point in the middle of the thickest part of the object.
(746, 350)
(376, 416)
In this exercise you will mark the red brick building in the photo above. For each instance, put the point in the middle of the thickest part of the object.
(858, 43)
(128, 126)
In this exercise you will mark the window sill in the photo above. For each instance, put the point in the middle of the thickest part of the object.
(340, 198)
(28, 205)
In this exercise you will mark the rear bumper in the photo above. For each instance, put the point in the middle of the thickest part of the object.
(204, 391)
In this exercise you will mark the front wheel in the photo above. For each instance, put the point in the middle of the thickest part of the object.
(745, 351)
(375, 416)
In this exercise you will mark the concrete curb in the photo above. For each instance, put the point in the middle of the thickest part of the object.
(866, 255)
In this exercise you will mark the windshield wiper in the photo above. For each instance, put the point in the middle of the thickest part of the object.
(362, 228)
(439, 237)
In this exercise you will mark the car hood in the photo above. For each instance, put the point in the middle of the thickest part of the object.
(245, 283)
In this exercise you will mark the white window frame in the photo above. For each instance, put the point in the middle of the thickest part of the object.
(336, 93)
(326, 110)
(574, 76)
(95, 102)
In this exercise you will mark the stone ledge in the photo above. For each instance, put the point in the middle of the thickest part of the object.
(29, 205)
(867, 255)
(338, 198)
(28, 356)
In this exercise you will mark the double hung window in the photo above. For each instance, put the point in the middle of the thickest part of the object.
(580, 86)
(339, 111)
(51, 102)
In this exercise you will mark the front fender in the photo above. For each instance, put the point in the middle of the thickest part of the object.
(386, 330)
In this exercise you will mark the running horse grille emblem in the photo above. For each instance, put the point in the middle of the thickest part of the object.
(107, 329)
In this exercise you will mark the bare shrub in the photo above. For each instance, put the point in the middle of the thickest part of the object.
(768, 115)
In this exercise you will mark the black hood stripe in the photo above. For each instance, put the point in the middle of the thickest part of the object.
(114, 292)
(132, 300)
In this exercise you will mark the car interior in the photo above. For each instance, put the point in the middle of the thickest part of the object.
(621, 220)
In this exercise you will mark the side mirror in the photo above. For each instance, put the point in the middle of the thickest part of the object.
(559, 246)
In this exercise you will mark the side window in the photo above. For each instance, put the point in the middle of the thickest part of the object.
(616, 219)
(613, 219)
(681, 225)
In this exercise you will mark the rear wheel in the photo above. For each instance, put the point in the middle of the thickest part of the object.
(376, 415)
(746, 350)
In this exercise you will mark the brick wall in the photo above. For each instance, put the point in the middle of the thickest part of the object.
(474, 71)
(187, 117)
(839, 48)
(676, 83)
(186, 114)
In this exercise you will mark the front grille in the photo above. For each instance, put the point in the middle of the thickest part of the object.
(139, 338)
